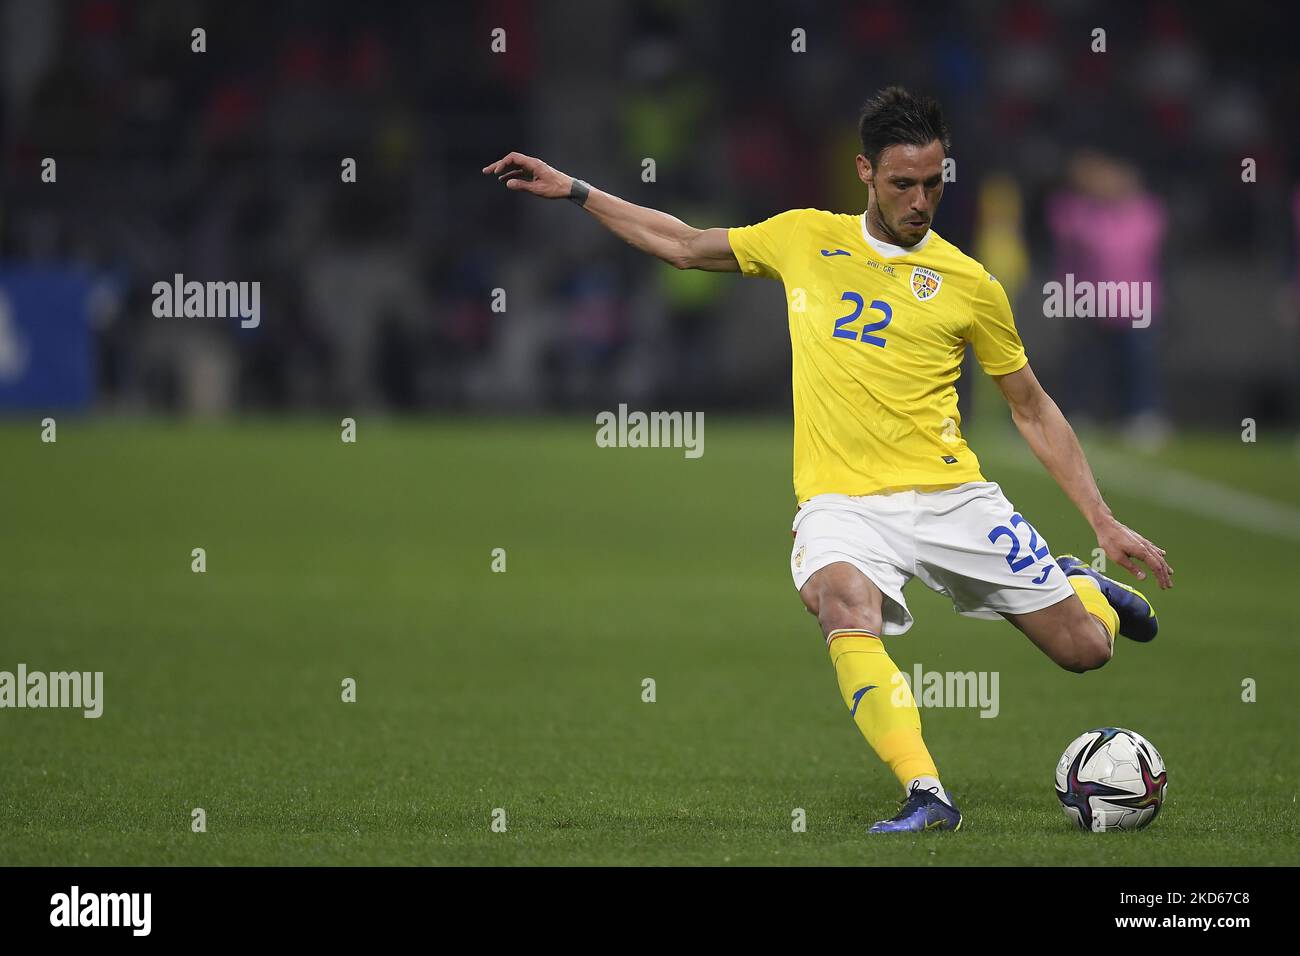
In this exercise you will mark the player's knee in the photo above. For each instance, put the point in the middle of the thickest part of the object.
(1090, 649)
(837, 613)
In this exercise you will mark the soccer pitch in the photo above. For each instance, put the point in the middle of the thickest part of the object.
(522, 690)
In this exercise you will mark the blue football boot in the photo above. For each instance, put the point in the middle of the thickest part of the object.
(921, 811)
(1137, 618)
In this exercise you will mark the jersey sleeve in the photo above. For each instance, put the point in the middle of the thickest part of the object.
(761, 248)
(993, 333)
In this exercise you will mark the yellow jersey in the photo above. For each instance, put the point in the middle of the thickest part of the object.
(878, 333)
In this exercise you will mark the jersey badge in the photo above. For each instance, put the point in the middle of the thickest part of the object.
(925, 283)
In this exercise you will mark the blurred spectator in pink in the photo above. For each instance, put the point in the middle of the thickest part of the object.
(1108, 229)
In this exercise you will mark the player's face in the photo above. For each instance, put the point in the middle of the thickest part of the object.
(906, 186)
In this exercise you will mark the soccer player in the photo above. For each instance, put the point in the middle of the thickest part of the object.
(881, 309)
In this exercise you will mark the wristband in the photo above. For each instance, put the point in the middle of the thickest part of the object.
(578, 192)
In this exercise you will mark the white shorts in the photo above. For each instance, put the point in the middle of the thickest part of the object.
(966, 542)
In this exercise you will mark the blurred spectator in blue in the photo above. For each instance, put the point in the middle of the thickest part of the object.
(581, 366)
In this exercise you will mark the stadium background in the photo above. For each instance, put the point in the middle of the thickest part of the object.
(522, 690)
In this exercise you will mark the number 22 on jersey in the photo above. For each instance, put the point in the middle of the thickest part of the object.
(867, 338)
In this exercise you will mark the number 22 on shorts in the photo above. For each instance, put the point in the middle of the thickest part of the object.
(1015, 561)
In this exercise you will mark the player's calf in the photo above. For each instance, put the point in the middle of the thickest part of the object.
(1088, 648)
(1067, 633)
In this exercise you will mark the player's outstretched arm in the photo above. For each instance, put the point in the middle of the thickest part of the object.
(663, 236)
(1054, 443)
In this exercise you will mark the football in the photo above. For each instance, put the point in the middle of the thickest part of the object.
(1111, 779)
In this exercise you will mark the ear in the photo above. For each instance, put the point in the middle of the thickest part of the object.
(865, 172)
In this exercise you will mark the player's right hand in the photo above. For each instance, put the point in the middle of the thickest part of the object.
(529, 174)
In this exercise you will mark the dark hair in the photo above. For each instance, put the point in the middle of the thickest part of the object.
(895, 116)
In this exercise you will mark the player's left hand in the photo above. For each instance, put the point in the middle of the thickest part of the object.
(1123, 545)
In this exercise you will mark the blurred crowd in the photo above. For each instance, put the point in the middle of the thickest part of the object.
(423, 285)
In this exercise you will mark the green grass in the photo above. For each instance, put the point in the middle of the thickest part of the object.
(522, 690)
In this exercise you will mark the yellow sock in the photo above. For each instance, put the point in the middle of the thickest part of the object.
(881, 703)
(1095, 602)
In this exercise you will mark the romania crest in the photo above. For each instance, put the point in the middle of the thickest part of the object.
(925, 283)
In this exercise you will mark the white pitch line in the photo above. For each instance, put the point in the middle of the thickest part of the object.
(1176, 489)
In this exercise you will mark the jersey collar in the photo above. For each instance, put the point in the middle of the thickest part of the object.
(888, 249)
